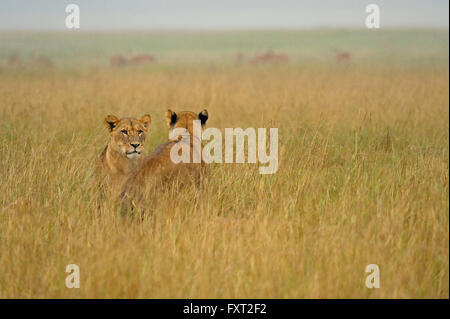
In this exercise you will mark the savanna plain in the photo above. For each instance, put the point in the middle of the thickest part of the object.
(363, 166)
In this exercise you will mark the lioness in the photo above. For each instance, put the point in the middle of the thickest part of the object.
(123, 152)
(157, 168)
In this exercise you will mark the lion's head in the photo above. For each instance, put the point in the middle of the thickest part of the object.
(185, 119)
(128, 134)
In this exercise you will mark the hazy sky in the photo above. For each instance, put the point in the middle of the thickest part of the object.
(220, 14)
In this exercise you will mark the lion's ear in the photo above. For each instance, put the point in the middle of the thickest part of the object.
(171, 117)
(146, 120)
(203, 116)
(111, 122)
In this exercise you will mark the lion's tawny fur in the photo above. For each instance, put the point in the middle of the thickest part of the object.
(123, 152)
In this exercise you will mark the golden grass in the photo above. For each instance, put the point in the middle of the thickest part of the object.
(363, 178)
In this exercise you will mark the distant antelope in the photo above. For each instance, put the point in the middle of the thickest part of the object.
(142, 59)
(270, 57)
(42, 62)
(342, 57)
(118, 60)
(239, 59)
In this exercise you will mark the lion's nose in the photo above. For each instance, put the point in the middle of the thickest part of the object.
(135, 145)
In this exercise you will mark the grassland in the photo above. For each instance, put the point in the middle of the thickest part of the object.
(363, 175)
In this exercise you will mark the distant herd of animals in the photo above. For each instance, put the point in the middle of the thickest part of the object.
(37, 61)
(264, 58)
(118, 60)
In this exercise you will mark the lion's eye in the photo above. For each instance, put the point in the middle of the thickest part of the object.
(125, 132)
(140, 132)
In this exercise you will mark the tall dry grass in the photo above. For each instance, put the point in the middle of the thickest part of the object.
(362, 179)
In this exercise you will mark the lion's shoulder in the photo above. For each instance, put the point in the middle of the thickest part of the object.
(101, 161)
